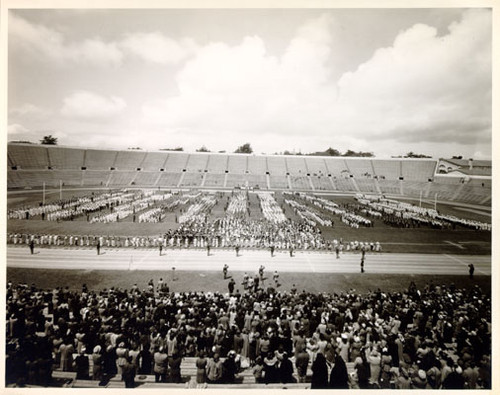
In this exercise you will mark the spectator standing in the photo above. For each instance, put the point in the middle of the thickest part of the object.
(128, 373)
(286, 370)
(174, 364)
(339, 378)
(214, 369)
(97, 362)
(319, 369)
(81, 365)
(301, 363)
(201, 365)
(160, 365)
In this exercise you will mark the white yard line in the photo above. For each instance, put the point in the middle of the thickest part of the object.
(463, 263)
(455, 244)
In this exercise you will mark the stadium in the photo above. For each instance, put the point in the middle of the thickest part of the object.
(165, 262)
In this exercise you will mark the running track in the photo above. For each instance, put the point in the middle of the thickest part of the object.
(249, 260)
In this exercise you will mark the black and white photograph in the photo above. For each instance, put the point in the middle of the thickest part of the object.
(264, 197)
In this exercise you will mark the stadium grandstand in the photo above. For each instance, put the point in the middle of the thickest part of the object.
(168, 269)
(31, 166)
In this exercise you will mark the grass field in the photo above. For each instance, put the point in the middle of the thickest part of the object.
(419, 240)
(212, 281)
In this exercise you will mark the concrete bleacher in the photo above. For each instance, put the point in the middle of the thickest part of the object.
(296, 165)
(62, 158)
(154, 161)
(392, 187)
(237, 164)
(387, 169)
(176, 162)
(214, 180)
(276, 165)
(243, 380)
(28, 156)
(444, 191)
(359, 167)
(31, 178)
(99, 159)
(244, 180)
(217, 163)
(414, 188)
(300, 182)
(192, 179)
(278, 182)
(121, 178)
(32, 165)
(146, 178)
(67, 177)
(336, 167)
(168, 179)
(322, 183)
(366, 185)
(316, 166)
(418, 169)
(197, 162)
(129, 160)
(95, 177)
(15, 179)
(344, 184)
(257, 164)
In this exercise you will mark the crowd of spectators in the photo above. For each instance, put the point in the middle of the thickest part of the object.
(436, 337)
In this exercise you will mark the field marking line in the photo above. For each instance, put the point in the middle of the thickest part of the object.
(455, 244)
(464, 263)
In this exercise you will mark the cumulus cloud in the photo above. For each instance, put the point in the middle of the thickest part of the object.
(423, 82)
(424, 87)
(51, 44)
(16, 129)
(29, 109)
(91, 106)
(158, 48)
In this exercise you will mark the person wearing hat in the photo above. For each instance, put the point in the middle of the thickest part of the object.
(419, 381)
(455, 380)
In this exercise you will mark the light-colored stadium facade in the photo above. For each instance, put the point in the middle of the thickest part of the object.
(31, 166)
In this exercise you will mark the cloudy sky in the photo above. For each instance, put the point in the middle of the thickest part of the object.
(388, 81)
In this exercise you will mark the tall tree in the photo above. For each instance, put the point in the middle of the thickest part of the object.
(244, 149)
(49, 140)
